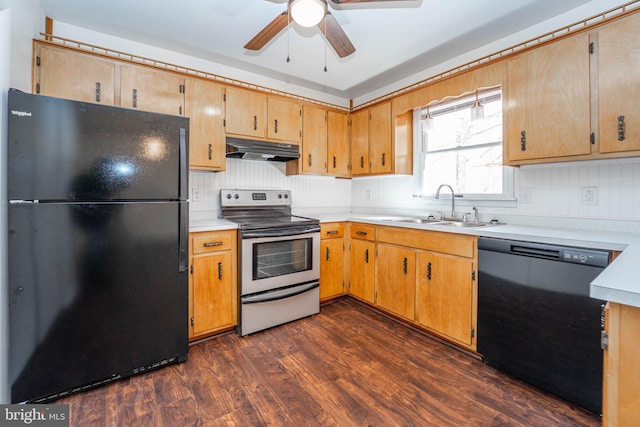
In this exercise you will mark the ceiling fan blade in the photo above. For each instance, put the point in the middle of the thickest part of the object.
(272, 29)
(361, 1)
(336, 36)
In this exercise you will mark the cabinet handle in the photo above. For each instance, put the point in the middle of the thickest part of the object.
(210, 244)
(331, 232)
(428, 271)
(334, 162)
(384, 158)
(275, 125)
(361, 233)
(366, 256)
(210, 151)
(219, 270)
(523, 140)
(135, 98)
(98, 91)
(327, 255)
(621, 136)
(255, 122)
(310, 160)
(361, 162)
(405, 266)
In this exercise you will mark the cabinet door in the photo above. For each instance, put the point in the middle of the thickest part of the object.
(151, 90)
(314, 140)
(213, 293)
(284, 120)
(203, 106)
(621, 388)
(338, 144)
(331, 268)
(619, 85)
(396, 280)
(361, 262)
(360, 143)
(380, 139)
(71, 75)
(547, 102)
(245, 112)
(444, 297)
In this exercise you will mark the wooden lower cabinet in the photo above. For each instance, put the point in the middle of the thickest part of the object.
(621, 393)
(332, 260)
(445, 296)
(213, 293)
(426, 277)
(396, 280)
(362, 270)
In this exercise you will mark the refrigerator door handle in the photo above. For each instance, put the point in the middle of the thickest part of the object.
(184, 160)
(183, 237)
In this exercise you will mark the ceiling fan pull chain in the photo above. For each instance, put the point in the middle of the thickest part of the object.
(288, 33)
(325, 43)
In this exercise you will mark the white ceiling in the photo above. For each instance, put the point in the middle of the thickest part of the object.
(393, 39)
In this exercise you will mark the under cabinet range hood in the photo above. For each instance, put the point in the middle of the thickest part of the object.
(249, 149)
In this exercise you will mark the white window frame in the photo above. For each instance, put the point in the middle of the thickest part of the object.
(506, 199)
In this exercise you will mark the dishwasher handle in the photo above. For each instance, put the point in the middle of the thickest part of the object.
(592, 257)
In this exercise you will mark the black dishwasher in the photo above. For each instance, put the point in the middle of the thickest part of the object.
(536, 320)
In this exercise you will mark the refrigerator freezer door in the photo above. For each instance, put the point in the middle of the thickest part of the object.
(67, 150)
(96, 291)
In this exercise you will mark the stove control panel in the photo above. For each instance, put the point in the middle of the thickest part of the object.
(248, 198)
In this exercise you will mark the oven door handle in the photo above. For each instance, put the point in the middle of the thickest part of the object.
(280, 294)
(281, 232)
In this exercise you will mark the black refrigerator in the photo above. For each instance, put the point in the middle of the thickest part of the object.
(97, 244)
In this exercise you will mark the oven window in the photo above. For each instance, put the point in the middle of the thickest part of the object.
(271, 259)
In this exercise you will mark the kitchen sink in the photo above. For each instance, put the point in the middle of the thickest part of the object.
(465, 224)
(419, 220)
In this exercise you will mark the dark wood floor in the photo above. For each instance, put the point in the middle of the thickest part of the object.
(347, 366)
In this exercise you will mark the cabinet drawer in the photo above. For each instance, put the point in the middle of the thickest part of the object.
(213, 241)
(362, 231)
(331, 230)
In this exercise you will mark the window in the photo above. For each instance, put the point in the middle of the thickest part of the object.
(461, 152)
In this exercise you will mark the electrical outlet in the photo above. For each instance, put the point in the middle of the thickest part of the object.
(195, 195)
(526, 195)
(368, 196)
(589, 196)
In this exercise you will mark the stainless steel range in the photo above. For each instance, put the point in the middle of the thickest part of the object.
(279, 256)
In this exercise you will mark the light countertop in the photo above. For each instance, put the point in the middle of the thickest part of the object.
(617, 283)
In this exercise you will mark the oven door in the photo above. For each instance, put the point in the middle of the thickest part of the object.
(275, 258)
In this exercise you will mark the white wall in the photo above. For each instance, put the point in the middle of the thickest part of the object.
(20, 22)
(555, 189)
(310, 194)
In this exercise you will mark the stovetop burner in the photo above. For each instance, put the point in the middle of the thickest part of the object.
(253, 209)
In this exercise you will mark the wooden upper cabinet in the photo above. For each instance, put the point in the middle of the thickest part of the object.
(72, 75)
(338, 144)
(360, 143)
(151, 90)
(314, 140)
(619, 85)
(284, 118)
(547, 101)
(246, 112)
(380, 144)
(204, 107)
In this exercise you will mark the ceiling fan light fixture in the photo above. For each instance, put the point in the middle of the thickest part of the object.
(308, 12)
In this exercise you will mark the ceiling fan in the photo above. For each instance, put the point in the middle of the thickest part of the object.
(309, 13)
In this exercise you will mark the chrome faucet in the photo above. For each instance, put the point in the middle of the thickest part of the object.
(453, 198)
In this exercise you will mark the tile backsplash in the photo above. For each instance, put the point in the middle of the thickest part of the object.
(546, 195)
(309, 193)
